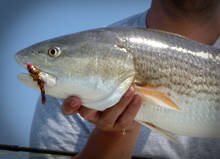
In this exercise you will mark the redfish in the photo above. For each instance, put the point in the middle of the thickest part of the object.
(177, 78)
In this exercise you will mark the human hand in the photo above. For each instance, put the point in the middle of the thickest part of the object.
(117, 118)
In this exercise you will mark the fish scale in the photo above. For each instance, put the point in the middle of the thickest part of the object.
(177, 78)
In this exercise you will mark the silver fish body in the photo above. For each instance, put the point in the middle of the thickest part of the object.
(100, 65)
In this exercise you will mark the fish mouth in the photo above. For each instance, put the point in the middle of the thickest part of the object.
(23, 60)
(48, 78)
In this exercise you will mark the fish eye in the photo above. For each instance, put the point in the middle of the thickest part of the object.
(54, 52)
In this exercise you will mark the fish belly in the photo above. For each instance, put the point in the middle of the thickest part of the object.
(197, 117)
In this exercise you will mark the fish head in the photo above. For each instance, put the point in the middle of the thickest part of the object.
(74, 65)
(48, 56)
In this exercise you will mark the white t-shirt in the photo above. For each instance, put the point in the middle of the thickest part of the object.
(52, 130)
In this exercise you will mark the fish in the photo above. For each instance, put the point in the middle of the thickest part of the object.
(177, 78)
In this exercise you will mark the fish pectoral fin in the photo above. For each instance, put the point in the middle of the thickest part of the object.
(162, 132)
(148, 93)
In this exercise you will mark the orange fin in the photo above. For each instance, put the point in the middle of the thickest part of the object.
(148, 93)
(162, 132)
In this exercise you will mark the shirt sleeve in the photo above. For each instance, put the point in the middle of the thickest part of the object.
(52, 130)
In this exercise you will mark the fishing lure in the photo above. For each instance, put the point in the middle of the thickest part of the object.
(36, 75)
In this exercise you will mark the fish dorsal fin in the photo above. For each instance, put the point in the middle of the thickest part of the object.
(149, 93)
(162, 132)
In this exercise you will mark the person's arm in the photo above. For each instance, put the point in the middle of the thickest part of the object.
(109, 140)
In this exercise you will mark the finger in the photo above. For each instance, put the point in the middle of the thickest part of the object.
(128, 116)
(109, 116)
(71, 105)
(89, 114)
